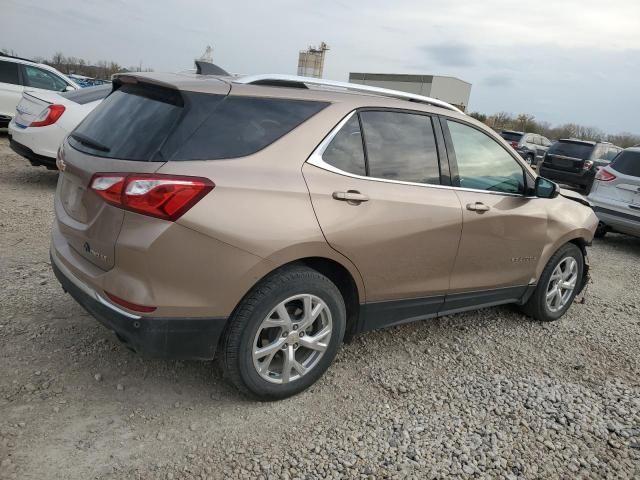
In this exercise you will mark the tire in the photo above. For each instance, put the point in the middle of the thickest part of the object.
(537, 306)
(250, 331)
(601, 230)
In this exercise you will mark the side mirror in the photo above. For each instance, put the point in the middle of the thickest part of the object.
(546, 188)
(68, 88)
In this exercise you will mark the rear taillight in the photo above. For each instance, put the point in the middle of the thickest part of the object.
(49, 116)
(514, 144)
(129, 305)
(587, 164)
(605, 175)
(166, 197)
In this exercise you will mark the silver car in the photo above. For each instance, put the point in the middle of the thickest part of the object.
(616, 194)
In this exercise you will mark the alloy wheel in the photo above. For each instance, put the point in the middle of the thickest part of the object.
(292, 339)
(562, 283)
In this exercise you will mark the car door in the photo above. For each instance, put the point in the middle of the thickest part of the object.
(503, 229)
(376, 187)
(10, 90)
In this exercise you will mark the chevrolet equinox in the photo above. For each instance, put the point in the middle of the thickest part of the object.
(269, 218)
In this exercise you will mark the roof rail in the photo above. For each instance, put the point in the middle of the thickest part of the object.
(302, 82)
(2, 54)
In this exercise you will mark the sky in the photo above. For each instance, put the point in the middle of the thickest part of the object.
(561, 60)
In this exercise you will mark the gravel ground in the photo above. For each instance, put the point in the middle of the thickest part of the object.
(484, 394)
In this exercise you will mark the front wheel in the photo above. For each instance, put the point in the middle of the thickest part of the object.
(285, 334)
(558, 285)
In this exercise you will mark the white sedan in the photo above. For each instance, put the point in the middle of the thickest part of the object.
(44, 119)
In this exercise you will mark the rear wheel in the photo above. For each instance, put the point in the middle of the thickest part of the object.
(284, 334)
(557, 286)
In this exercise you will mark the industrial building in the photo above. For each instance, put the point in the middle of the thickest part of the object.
(311, 61)
(449, 89)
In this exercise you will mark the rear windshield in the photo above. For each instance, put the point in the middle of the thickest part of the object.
(571, 149)
(511, 137)
(627, 163)
(157, 124)
(89, 94)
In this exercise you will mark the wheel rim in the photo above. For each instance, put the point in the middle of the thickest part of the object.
(562, 283)
(292, 339)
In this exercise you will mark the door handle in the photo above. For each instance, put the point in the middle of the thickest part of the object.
(478, 207)
(352, 196)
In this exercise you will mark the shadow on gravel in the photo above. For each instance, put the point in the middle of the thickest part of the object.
(21, 172)
(620, 242)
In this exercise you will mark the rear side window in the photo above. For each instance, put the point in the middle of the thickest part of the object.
(571, 149)
(627, 163)
(147, 123)
(400, 146)
(240, 126)
(130, 124)
(9, 73)
(88, 95)
(345, 151)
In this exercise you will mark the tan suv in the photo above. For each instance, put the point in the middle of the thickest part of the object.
(271, 217)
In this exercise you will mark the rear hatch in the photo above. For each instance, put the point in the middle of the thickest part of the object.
(126, 133)
(32, 104)
(568, 155)
(512, 138)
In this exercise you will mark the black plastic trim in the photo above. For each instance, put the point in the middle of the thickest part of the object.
(170, 338)
(615, 213)
(396, 312)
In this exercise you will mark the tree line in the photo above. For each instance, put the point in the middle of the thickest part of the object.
(528, 123)
(73, 65)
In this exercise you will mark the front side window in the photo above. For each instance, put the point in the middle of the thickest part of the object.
(482, 163)
(345, 151)
(39, 78)
(9, 73)
(400, 146)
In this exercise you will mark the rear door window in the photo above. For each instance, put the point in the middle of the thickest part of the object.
(39, 78)
(628, 163)
(9, 73)
(400, 146)
(345, 152)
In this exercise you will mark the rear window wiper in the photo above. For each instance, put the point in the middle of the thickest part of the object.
(90, 142)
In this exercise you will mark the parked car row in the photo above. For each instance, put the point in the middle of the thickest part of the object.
(18, 75)
(531, 146)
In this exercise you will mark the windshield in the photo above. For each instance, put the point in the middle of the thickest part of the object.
(571, 149)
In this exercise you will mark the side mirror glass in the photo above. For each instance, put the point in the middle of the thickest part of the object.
(546, 188)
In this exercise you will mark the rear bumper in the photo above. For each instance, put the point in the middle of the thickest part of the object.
(170, 338)
(582, 179)
(34, 158)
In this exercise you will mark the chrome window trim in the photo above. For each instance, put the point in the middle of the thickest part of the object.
(316, 160)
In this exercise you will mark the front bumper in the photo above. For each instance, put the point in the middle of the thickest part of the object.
(581, 179)
(170, 338)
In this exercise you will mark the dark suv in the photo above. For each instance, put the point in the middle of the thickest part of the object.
(530, 146)
(576, 162)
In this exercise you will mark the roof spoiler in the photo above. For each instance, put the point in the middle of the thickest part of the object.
(207, 68)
